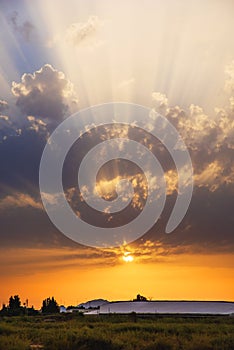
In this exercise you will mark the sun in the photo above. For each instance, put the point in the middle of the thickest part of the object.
(127, 257)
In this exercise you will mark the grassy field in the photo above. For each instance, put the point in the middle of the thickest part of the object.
(116, 332)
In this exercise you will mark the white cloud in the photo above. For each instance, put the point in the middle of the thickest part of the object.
(3, 106)
(46, 94)
(4, 118)
(83, 33)
(19, 200)
(213, 176)
(209, 138)
(37, 125)
(126, 83)
(229, 83)
(160, 102)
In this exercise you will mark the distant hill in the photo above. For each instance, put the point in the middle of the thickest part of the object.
(92, 303)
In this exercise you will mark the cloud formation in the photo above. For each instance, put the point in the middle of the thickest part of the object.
(45, 93)
(83, 33)
(160, 102)
(209, 138)
(25, 29)
(6, 125)
(229, 85)
(19, 200)
(3, 106)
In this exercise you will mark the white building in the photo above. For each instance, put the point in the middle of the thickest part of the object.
(62, 309)
(168, 307)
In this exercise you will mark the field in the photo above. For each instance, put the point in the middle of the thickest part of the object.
(116, 332)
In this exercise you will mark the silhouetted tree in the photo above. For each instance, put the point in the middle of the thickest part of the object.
(140, 298)
(4, 310)
(50, 306)
(14, 302)
(14, 308)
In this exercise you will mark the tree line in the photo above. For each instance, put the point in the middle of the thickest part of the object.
(49, 306)
(16, 308)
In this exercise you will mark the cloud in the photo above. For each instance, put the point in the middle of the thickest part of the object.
(19, 200)
(25, 29)
(20, 154)
(208, 137)
(38, 125)
(34, 260)
(4, 118)
(6, 128)
(46, 94)
(195, 127)
(225, 120)
(4, 121)
(214, 176)
(126, 83)
(160, 102)
(84, 33)
(143, 251)
(3, 106)
(107, 189)
(229, 83)
(6, 124)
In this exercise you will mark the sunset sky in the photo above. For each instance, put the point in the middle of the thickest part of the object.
(175, 57)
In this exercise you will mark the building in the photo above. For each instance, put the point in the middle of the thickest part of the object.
(169, 307)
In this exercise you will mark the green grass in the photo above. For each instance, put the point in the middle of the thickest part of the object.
(116, 332)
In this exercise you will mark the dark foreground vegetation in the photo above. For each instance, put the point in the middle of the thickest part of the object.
(116, 332)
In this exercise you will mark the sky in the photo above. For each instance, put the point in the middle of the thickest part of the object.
(174, 57)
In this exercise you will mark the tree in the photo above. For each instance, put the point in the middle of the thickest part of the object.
(4, 310)
(50, 306)
(14, 307)
(140, 298)
(14, 302)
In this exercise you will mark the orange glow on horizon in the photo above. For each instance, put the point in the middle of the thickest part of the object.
(191, 277)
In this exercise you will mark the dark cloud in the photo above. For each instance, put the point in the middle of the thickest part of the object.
(29, 227)
(208, 225)
(25, 29)
(24, 222)
(20, 159)
(46, 94)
